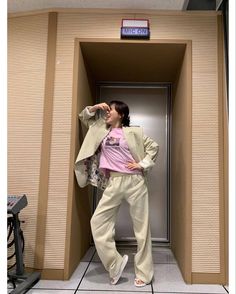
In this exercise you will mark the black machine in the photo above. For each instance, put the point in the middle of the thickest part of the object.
(26, 280)
(16, 203)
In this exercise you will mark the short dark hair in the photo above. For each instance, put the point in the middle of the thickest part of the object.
(123, 109)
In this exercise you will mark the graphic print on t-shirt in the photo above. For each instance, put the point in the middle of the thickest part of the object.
(112, 142)
(115, 153)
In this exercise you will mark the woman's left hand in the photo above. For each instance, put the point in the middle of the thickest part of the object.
(133, 165)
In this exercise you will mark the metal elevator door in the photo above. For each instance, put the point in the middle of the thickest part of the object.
(149, 107)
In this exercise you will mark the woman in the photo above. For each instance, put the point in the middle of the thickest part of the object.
(124, 155)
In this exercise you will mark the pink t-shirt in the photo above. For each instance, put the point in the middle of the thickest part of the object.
(115, 153)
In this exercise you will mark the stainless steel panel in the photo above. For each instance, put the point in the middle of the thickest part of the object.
(149, 109)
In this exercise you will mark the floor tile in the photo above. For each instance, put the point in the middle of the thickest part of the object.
(160, 254)
(131, 251)
(43, 291)
(168, 278)
(107, 292)
(70, 284)
(89, 254)
(97, 278)
(163, 255)
(226, 287)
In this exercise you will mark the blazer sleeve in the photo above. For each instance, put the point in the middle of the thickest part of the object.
(151, 149)
(88, 118)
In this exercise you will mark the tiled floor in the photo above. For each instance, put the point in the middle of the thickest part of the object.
(90, 277)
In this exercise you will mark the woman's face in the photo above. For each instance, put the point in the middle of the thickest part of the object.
(112, 116)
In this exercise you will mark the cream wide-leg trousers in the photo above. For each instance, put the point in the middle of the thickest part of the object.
(133, 189)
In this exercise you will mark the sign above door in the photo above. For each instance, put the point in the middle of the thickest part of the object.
(135, 29)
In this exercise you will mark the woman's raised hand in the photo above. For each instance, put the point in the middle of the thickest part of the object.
(103, 106)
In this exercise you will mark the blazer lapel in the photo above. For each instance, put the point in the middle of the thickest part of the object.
(101, 133)
(130, 138)
(92, 140)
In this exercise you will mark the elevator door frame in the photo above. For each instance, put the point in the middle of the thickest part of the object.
(155, 242)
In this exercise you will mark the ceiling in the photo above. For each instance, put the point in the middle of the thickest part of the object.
(15, 6)
(22, 6)
(132, 62)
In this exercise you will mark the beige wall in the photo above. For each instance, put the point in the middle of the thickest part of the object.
(201, 29)
(181, 167)
(27, 51)
(80, 205)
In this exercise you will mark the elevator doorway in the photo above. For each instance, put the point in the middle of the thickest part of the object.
(156, 62)
(150, 108)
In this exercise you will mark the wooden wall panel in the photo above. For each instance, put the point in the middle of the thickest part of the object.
(27, 49)
(79, 209)
(205, 178)
(181, 181)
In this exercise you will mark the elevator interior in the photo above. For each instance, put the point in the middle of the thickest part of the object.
(141, 63)
(150, 108)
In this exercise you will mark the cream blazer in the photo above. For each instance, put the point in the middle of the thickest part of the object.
(143, 149)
